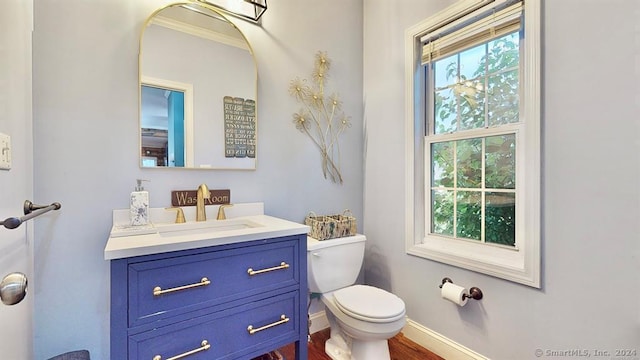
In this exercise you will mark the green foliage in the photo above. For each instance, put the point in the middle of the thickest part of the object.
(489, 99)
(500, 219)
(469, 214)
(442, 211)
(469, 163)
(500, 162)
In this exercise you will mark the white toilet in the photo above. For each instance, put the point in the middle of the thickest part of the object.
(362, 318)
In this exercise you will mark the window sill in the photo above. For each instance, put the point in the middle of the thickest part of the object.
(505, 263)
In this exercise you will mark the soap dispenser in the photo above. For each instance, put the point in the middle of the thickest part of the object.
(139, 210)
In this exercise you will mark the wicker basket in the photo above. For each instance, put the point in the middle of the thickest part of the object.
(331, 226)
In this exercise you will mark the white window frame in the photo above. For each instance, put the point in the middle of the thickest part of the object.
(520, 264)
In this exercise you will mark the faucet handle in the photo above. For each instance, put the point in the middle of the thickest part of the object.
(179, 214)
(221, 214)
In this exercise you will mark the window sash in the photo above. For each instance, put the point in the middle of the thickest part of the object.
(483, 189)
(493, 24)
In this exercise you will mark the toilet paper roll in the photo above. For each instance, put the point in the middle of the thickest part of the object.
(453, 293)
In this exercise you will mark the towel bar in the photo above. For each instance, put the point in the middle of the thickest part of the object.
(31, 210)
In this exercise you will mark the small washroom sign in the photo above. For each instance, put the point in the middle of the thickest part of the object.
(190, 197)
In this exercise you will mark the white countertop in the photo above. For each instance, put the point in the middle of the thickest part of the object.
(145, 244)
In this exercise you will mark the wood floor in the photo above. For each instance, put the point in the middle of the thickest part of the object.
(400, 348)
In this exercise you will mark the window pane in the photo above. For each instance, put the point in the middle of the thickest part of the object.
(503, 99)
(442, 164)
(500, 162)
(442, 212)
(469, 163)
(471, 98)
(471, 65)
(504, 52)
(445, 112)
(500, 218)
(446, 71)
(468, 215)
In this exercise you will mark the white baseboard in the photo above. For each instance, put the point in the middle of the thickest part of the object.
(318, 322)
(438, 344)
(423, 336)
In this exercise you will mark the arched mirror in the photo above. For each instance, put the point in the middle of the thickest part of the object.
(198, 86)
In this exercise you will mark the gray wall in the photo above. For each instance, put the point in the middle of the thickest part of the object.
(85, 108)
(591, 198)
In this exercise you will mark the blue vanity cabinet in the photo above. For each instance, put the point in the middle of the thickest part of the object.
(234, 301)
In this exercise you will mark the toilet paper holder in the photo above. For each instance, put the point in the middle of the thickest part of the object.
(474, 292)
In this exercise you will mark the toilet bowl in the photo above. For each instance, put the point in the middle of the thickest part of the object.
(368, 317)
(361, 317)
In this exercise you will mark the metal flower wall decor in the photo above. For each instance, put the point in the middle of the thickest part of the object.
(321, 117)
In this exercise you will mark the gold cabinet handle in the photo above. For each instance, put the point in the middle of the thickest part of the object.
(283, 265)
(157, 291)
(204, 345)
(283, 319)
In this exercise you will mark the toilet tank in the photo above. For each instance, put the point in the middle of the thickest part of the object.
(334, 263)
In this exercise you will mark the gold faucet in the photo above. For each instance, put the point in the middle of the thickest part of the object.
(179, 214)
(202, 194)
(221, 214)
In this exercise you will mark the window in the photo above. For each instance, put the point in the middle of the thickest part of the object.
(474, 138)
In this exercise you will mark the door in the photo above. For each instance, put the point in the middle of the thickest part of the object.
(16, 184)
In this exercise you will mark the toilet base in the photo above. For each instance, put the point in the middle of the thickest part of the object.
(370, 350)
(338, 349)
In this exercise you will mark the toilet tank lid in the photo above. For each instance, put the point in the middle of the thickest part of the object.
(314, 244)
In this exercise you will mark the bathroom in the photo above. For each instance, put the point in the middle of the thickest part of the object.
(70, 105)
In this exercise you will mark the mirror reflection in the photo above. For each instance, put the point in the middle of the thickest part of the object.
(198, 83)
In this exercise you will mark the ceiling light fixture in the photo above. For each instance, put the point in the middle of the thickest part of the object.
(250, 10)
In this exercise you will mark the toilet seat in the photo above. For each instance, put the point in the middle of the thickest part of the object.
(368, 303)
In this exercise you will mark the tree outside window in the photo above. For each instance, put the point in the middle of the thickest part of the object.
(473, 178)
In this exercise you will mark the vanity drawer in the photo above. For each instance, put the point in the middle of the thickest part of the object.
(159, 289)
(225, 334)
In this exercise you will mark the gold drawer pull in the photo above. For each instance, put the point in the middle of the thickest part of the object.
(157, 291)
(283, 265)
(204, 345)
(283, 319)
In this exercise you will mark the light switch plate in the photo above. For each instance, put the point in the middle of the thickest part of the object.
(5, 152)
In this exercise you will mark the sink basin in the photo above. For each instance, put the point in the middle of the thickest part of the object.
(205, 227)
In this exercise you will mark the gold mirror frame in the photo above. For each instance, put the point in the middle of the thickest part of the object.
(220, 123)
